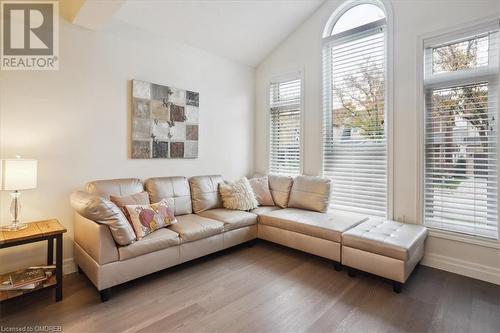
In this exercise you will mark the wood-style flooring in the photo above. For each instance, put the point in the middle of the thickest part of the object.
(265, 288)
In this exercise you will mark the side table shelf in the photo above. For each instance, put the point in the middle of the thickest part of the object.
(47, 230)
(8, 294)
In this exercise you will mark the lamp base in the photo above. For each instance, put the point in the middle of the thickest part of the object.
(15, 227)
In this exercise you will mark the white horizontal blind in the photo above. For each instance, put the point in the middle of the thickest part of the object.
(354, 145)
(460, 173)
(285, 131)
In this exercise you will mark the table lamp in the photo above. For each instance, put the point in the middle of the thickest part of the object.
(17, 174)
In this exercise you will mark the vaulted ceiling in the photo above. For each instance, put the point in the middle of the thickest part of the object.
(245, 31)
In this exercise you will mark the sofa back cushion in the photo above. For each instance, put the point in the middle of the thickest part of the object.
(205, 192)
(311, 193)
(103, 211)
(116, 187)
(175, 188)
(141, 198)
(280, 187)
(260, 187)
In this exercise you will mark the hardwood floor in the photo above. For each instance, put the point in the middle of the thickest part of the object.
(266, 288)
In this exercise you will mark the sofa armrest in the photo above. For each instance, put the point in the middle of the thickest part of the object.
(95, 239)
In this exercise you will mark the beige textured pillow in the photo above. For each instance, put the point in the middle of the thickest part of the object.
(238, 195)
(311, 193)
(280, 187)
(260, 187)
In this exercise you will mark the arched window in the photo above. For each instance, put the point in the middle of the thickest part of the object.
(355, 126)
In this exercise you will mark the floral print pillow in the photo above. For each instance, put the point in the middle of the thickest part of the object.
(148, 218)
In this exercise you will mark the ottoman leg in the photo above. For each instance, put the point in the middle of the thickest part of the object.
(397, 286)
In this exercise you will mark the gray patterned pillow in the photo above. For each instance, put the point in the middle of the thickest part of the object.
(238, 195)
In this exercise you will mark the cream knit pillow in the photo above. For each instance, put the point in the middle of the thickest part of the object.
(238, 195)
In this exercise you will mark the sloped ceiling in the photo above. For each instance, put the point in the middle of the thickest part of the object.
(245, 31)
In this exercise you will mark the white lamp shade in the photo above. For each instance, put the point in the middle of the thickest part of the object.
(18, 174)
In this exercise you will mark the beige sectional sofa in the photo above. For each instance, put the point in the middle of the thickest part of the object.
(204, 226)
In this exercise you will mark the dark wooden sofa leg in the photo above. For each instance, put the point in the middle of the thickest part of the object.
(337, 266)
(80, 270)
(397, 286)
(252, 242)
(351, 272)
(105, 294)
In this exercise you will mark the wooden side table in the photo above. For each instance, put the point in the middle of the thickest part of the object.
(47, 230)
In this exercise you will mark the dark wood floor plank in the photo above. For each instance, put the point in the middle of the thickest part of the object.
(266, 288)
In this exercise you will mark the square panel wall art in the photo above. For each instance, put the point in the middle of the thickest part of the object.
(164, 121)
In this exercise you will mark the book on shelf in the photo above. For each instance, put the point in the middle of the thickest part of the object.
(26, 279)
(27, 276)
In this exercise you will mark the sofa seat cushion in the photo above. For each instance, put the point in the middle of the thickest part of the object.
(329, 226)
(233, 219)
(155, 241)
(192, 227)
(264, 209)
(385, 237)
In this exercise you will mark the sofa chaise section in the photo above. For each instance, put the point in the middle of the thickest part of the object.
(309, 231)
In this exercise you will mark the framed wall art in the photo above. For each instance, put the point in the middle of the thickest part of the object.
(164, 121)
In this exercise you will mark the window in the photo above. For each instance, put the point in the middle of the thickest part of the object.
(460, 147)
(285, 122)
(354, 145)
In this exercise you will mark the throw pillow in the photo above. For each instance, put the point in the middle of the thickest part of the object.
(103, 211)
(280, 187)
(148, 218)
(238, 195)
(260, 187)
(141, 198)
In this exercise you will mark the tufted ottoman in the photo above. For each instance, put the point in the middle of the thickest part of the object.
(386, 248)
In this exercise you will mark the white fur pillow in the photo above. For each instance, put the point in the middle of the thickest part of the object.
(238, 195)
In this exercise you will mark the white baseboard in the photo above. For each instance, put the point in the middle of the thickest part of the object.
(449, 264)
(466, 268)
(69, 266)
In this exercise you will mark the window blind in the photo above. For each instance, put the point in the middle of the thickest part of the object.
(285, 123)
(354, 145)
(460, 162)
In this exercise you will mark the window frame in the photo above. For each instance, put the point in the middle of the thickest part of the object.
(427, 82)
(327, 38)
(279, 78)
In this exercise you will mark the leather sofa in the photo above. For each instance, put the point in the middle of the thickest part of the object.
(204, 226)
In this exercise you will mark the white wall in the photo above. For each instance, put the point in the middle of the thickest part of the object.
(302, 51)
(75, 121)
